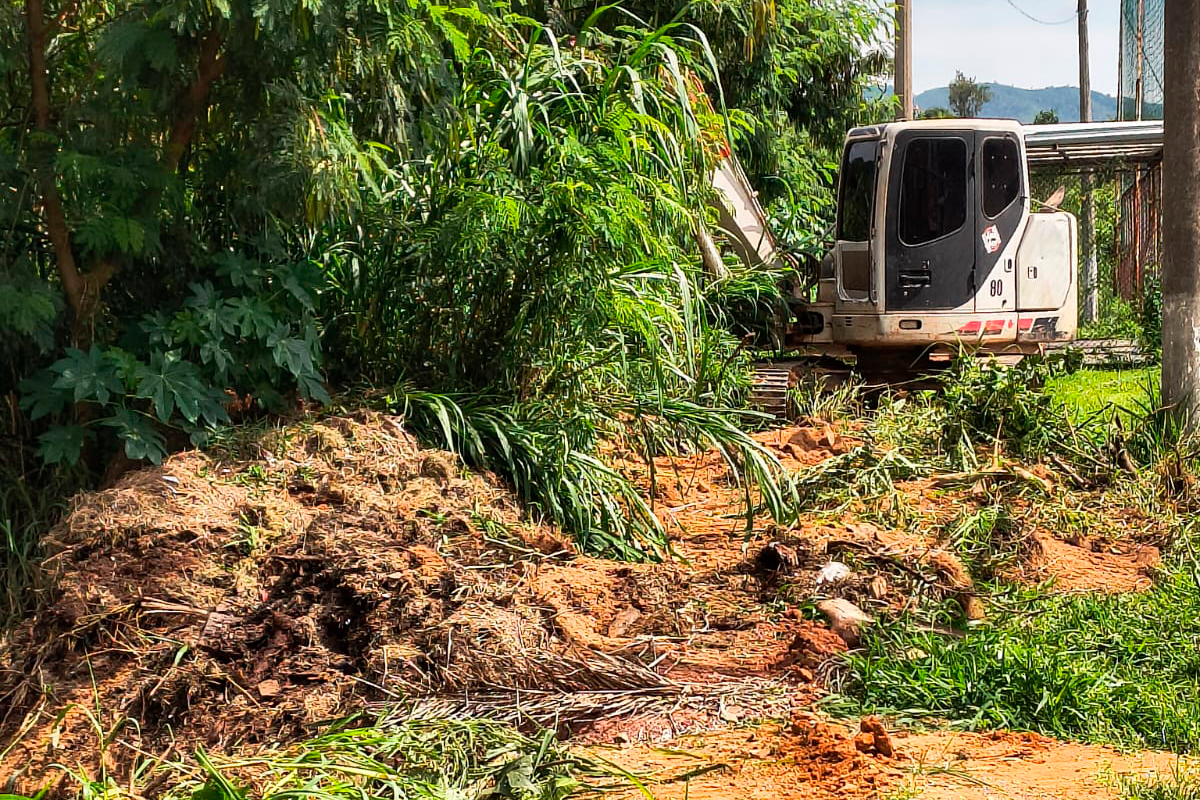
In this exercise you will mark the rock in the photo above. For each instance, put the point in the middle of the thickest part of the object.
(268, 689)
(845, 619)
(833, 572)
(874, 738)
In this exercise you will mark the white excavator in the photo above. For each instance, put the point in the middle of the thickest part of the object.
(937, 250)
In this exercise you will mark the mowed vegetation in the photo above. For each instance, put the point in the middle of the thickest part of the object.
(1088, 391)
(1088, 665)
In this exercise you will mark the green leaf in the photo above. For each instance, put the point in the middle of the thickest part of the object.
(254, 317)
(290, 278)
(142, 440)
(293, 354)
(40, 398)
(312, 388)
(62, 444)
(170, 382)
(90, 376)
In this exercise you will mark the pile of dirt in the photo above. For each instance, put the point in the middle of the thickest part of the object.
(811, 758)
(338, 564)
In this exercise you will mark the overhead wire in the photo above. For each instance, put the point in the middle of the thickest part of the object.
(1027, 15)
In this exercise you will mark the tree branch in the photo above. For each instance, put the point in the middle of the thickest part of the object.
(210, 68)
(56, 221)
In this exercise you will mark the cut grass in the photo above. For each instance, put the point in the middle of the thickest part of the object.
(1123, 669)
(1179, 786)
(393, 758)
(1088, 391)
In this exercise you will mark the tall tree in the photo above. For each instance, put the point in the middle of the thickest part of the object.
(967, 98)
(1181, 216)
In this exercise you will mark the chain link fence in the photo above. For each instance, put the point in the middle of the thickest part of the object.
(1141, 79)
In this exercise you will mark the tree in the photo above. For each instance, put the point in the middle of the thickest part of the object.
(937, 112)
(967, 98)
(1047, 116)
(1181, 216)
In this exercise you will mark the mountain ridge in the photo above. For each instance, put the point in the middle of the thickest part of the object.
(1013, 102)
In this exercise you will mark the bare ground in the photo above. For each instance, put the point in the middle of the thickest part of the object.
(337, 565)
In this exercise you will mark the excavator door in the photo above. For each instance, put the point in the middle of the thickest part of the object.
(930, 226)
(1001, 205)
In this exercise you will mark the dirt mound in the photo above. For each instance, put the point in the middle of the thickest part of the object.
(225, 602)
(811, 758)
(339, 565)
(335, 565)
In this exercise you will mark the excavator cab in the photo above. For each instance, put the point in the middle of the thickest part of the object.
(936, 246)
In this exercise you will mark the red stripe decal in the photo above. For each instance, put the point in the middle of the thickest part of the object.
(970, 327)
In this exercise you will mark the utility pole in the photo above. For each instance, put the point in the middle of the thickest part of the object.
(904, 88)
(1181, 214)
(1090, 305)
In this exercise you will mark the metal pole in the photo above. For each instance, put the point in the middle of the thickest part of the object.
(904, 88)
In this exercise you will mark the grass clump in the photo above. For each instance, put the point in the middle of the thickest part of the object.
(392, 757)
(1120, 668)
(1179, 786)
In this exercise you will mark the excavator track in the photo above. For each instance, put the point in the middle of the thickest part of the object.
(768, 393)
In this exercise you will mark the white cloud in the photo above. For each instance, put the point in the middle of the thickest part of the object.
(993, 42)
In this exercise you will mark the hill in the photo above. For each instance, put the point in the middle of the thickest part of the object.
(1012, 102)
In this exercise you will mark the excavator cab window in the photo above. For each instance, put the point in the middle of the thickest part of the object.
(858, 192)
(1001, 175)
(933, 194)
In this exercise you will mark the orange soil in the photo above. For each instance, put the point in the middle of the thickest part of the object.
(814, 759)
(363, 568)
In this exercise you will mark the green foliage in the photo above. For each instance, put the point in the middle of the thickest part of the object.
(459, 199)
(937, 112)
(1150, 315)
(393, 757)
(1181, 785)
(1115, 668)
(966, 97)
(1086, 392)
(254, 335)
(986, 402)
(547, 454)
(1047, 116)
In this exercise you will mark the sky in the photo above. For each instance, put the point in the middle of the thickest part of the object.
(994, 42)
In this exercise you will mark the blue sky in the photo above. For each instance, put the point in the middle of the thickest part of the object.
(993, 42)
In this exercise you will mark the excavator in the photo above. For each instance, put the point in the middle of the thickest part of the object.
(938, 249)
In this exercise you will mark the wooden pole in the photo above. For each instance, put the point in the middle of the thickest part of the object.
(904, 88)
(1089, 302)
(1141, 60)
(1181, 216)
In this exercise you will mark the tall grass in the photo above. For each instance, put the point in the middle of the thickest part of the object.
(549, 457)
(533, 284)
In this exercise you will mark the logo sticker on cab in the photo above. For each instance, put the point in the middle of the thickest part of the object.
(991, 239)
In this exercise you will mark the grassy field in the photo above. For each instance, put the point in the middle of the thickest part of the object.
(1088, 391)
